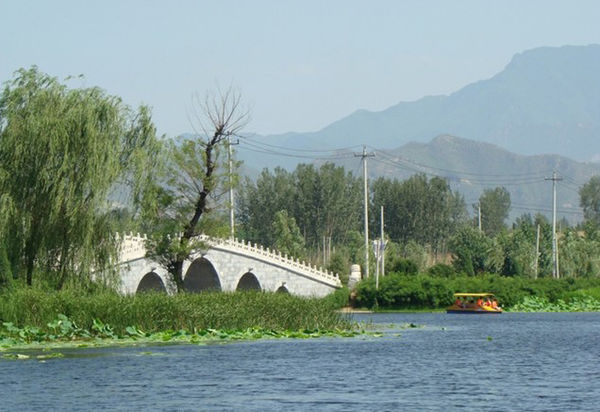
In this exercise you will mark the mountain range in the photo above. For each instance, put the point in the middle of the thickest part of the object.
(546, 101)
(511, 130)
(471, 166)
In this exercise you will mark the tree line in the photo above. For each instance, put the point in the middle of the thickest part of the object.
(78, 165)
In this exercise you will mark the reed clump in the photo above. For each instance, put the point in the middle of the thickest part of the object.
(154, 312)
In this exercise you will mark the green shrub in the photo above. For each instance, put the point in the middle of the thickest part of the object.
(441, 270)
(399, 291)
(405, 266)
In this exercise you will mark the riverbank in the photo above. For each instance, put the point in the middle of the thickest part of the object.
(414, 292)
(40, 345)
(154, 312)
(35, 318)
(530, 304)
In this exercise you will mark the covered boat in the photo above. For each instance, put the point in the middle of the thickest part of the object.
(474, 303)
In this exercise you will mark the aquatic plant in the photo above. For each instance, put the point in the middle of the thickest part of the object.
(69, 313)
(64, 331)
(540, 304)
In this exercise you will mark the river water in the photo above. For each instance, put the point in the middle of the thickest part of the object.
(545, 362)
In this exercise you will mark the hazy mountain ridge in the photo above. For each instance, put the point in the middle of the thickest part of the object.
(472, 166)
(546, 100)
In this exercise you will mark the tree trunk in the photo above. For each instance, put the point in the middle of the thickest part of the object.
(178, 276)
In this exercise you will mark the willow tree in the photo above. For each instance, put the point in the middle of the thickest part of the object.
(62, 150)
(196, 179)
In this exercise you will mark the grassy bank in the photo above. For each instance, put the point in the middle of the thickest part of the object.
(156, 313)
(426, 292)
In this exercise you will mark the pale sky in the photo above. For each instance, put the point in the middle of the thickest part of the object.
(299, 65)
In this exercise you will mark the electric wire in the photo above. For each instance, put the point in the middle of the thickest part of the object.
(253, 139)
(457, 172)
(251, 146)
(454, 176)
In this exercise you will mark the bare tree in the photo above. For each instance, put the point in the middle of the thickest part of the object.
(194, 173)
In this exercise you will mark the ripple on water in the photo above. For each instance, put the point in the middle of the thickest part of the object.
(507, 362)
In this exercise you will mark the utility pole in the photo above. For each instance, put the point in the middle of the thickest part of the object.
(555, 270)
(364, 156)
(376, 250)
(231, 205)
(537, 250)
(383, 246)
(479, 214)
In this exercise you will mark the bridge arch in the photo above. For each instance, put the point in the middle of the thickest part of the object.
(248, 281)
(151, 282)
(282, 289)
(201, 276)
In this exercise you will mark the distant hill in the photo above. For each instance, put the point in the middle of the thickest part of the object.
(515, 128)
(546, 100)
(472, 166)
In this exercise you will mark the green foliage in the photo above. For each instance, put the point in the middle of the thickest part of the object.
(416, 253)
(340, 264)
(61, 153)
(107, 314)
(287, 236)
(405, 266)
(589, 200)
(405, 291)
(195, 178)
(470, 249)
(417, 209)
(324, 202)
(399, 291)
(338, 299)
(537, 304)
(6, 276)
(579, 256)
(495, 206)
(441, 270)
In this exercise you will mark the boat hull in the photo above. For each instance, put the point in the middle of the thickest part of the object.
(474, 311)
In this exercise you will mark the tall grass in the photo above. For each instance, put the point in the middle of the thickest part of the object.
(153, 312)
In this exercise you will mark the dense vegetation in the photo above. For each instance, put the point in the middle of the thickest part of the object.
(158, 312)
(63, 151)
(426, 291)
(65, 154)
(316, 212)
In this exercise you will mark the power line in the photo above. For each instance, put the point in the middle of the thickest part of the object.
(473, 181)
(258, 149)
(458, 172)
(463, 177)
(349, 148)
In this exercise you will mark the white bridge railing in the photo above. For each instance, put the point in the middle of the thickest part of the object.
(134, 247)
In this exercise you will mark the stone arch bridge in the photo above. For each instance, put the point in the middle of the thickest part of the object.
(226, 265)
